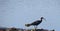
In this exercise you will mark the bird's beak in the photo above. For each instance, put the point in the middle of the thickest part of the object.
(44, 19)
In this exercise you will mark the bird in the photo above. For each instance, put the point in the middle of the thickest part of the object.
(36, 23)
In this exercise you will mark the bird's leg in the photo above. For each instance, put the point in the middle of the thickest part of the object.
(35, 28)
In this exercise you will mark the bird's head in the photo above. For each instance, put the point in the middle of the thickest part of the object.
(43, 18)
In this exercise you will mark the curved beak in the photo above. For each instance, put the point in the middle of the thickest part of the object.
(44, 19)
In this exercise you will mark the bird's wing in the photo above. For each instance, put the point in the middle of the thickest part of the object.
(35, 22)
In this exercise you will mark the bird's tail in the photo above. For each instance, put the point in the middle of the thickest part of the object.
(27, 25)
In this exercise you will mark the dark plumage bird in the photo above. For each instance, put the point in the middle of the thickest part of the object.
(36, 23)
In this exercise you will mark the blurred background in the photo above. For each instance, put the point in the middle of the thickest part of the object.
(17, 13)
